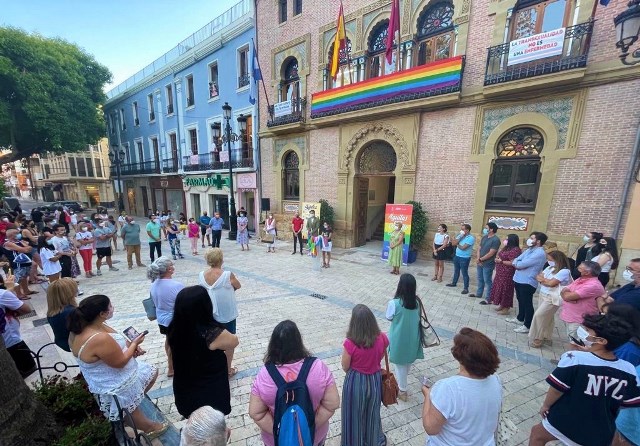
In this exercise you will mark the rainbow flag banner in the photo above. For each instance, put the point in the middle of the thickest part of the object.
(441, 77)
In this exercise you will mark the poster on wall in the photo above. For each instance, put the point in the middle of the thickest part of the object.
(305, 213)
(539, 46)
(397, 213)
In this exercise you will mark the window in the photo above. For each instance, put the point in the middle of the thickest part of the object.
(134, 108)
(190, 95)
(152, 114)
(173, 145)
(89, 167)
(169, 92)
(72, 166)
(535, 17)
(378, 65)
(435, 33)
(346, 72)
(127, 152)
(243, 67)
(123, 125)
(290, 84)
(297, 7)
(47, 170)
(291, 177)
(111, 124)
(515, 179)
(282, 10)
(98, 168)
(140, 151)
(247, 140)
(155, 148)
(82, 169)
(213, 80)
(193, 141)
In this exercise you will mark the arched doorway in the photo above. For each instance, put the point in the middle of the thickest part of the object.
(374, 183)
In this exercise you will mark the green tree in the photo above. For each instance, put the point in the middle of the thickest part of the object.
(50, 95)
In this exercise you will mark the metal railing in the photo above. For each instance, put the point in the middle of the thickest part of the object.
(169, 165)
(211, 161)
(575, 52)
(215, 27)
(243, 80)
(298, 113)
(144, 168)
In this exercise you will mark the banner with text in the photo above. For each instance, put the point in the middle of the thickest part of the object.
(536, 47)
(306, 209)
(397, 213)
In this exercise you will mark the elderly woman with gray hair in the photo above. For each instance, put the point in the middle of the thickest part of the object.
(580, 298)
(205, 427)
(164, 291)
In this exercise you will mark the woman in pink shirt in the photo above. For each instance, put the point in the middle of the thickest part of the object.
(194, 234)
(287, 352)
(362, 391)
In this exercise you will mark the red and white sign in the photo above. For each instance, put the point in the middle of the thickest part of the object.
(536, 47)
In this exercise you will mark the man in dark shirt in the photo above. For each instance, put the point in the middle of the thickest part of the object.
(628, 294)
(36, 216)
(486, 261)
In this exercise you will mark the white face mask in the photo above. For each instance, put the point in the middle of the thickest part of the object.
(461, 231)
(131, 222)
(627, 275)
(586, 238)
(583, 335)
(529, 242)
(551, 263)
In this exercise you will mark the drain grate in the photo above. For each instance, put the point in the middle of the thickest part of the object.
(29, 314)
(40, 322)
(318, 296)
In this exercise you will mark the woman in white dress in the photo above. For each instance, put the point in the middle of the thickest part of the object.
(49, 257)
(107, 362)
(440, 242)
(270, 228)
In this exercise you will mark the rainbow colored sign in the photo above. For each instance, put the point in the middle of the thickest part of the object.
(439, 77)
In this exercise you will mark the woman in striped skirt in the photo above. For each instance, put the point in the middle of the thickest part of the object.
(362, 390)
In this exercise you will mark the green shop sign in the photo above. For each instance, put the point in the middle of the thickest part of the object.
(217, 181)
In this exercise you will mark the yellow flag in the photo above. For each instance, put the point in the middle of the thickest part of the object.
(339, 43)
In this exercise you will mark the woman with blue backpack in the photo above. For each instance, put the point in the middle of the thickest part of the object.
(294, 395)
(362, 390)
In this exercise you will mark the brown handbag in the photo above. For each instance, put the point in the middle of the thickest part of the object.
(390, 387)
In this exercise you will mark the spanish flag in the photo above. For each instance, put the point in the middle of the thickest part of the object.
(338, 44)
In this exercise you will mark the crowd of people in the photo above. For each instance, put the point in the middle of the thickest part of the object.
(593, 381)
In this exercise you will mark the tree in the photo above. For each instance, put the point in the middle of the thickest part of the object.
(50, 95)
(24, 420)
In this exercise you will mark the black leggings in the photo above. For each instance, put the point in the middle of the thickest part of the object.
(604, 279)
(524, 294)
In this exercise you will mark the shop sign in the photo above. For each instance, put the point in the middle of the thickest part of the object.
(216, 181)
(282, 109)
(536, 47)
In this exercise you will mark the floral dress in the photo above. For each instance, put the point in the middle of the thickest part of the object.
(242, 237)
(503, 285)
(395, 254)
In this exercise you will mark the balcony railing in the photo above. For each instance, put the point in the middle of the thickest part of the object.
(210, 161)
(243, 80)
(575, 51)
(169, 165)
(170, 109)
(288, 112)
(144, 168)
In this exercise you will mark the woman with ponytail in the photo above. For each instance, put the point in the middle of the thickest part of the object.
(107, 362)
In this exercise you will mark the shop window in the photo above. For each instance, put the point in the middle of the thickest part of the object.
(515, 178)
(435, 36)
(535, 17)
(291, 176)
(377, 62)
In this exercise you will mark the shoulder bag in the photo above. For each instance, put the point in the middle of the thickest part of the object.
(390, 388)
(149, 308)
(428, 335)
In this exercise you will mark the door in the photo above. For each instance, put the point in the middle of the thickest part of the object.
(195, 206)
(222, 206)
(362, 202)
(145, 202)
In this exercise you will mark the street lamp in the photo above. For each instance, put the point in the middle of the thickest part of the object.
(228, 137)
(117, 156)
(627, 29)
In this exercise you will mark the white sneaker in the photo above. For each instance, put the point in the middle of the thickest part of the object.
(513, 320)
(522, 329)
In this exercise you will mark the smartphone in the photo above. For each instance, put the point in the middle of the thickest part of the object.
(426, 381)
(131, 333)
(577, 341)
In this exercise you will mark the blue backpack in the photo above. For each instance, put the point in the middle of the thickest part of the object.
(294, 418)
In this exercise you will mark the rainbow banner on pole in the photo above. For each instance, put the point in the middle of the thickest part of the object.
(392, 214)
(441, 77)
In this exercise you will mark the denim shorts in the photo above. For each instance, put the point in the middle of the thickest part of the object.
(21, 271)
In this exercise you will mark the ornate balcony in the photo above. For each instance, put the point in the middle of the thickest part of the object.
(521, 59)
(211, 161)
(243, 80)
(287, 112)
(169, 165)
(144, 168)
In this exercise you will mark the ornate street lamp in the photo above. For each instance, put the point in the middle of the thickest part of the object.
(627, 29)
(228, 137)
(117, 157)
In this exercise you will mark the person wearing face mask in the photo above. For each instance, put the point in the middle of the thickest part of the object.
(396, 245)
(605, 252)
(103, 235)
(194, 231)
(84, 242)
(326, 234)
(204, 228)
(441, 242)
(50, 258)
(63, 246)
(155, 239)
(296, 226)
(30, 236)
(108, 363)
(628, 294)
(589, 387)
(18, 254)
(464, 248)
(242, 237)
(130, 234)
(270, 229)
(216, 229)
(528, 265)
(503, 284)
(174, 242)
(485, 260)
(585, 252)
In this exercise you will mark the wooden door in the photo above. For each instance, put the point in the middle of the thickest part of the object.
(362, 202)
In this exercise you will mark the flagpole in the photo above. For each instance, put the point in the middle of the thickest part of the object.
(266, 97)
(398, 47)
(346, 45)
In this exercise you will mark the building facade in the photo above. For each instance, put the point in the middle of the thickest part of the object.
(514, 111)
(167, 119)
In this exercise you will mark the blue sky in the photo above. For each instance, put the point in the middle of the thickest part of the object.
(123, 35)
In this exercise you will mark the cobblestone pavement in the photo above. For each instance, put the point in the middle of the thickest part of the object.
(283, 286)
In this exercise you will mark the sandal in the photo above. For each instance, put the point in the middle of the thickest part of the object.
(434, 278)
(32, 292)
(536, 343)
(155, 434)
(232, 372)
(24, 298)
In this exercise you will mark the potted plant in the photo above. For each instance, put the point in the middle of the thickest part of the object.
(326, 212)
(419, 225)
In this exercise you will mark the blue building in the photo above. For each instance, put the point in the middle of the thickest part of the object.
(166, 124)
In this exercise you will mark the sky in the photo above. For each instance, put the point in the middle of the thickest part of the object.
(123, 35)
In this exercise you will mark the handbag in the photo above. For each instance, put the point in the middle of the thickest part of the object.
(20, 258)
(506, 428)
(390, 387)
(428, 335)
(149, 308)
(268, 238)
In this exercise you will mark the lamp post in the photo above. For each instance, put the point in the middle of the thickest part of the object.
(228, 137)
(628, 30)
(117, 156)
